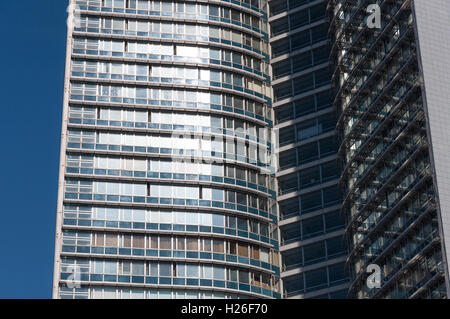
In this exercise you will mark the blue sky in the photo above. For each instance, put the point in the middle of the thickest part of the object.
(32, 58)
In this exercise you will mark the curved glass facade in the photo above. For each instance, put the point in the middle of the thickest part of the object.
(389, 194)
(166, 185)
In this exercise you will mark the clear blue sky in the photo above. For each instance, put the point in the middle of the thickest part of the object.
(32, 54)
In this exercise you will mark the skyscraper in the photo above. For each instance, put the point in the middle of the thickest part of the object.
(382, 66)
(312, 245)
(166, 183)
(391, 60)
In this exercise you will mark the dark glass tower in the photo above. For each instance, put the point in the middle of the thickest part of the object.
(387, 97)
(166, 179)
(312, 245)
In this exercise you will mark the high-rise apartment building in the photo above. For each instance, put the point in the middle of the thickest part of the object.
(392, 98)
(312, 245)
(175, 110)
(166, 179)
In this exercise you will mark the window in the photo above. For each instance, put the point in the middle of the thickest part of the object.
(282, 91)
(316, 279)
(322, 77)
(180, 243)
(287, 159)
(244, 276)
(310, 177)
(335, 247)
(333, 221)
(232, 275)
(279, 26)
(231, 248)
(319, 33)
(293, 285)
(143, 5)
(300, 40)
(307, 129)
(218, 246)
(125, 241)
(207, 272)
(281, 68)
(125, 268)
(138, 268)
(328, 146)
(312, 227)
(337, 273)
(119, 4)
(280, 47)
(299, 19)
(307, 153)
(288, 184)
(110, 267)
(331, 196)
(287, 135)
(301, 62)
(243, 250)
(318, 12)
(237, 80)
(218, 273)
(235, 15)
(192, 244)
(311, 201)
(289, 208)
(321, 55)
(165, 269)
(314, 252)
(138, 241)
(165, 242)
(192, 271)
(290, 232)
(206, 245)
(255, 252)
(303, 84)
(329, 171)
(292, 258)
(111, 240)
(264, 255)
